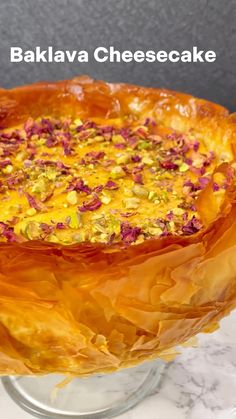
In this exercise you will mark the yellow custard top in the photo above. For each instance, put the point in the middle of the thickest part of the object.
(69, 181)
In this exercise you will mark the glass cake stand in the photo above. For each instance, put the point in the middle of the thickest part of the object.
(95, 397)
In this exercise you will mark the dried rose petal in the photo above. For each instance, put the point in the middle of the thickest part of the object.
(79, 186)
(138, 178)
(60, 226)
(133, 141)
(66, 138)
(33, 203)
(95, 155)
(85, 126)
(61, 165)
(111, 185)
(107, 163)
(127, 214)
(149, 121)
(188, 161)
(142, 133)
(111, 238)
(15, 180)
(137, 169)
(125, 133)
(51, 142)
(196, 145)
(215, 187)
(120, 146)
(8, 232)
(198, 171)
(5, 163)
(136, 158)
(106, 129)
(30, 127)
(46, 126)
(169, 165)
(170, 215)
(192, 226)
(203, 181)
(98, 188)
(46, 228)
(92, 205)
(189, 183)
(84, 135)
(129, 234)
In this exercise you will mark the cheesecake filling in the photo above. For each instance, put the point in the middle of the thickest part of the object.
(102, 181)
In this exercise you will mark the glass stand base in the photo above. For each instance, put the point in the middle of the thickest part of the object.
(96, 397)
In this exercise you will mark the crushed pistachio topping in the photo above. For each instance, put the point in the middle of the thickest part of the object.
(69, 181)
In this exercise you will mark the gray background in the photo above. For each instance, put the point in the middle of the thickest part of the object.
(126, 24)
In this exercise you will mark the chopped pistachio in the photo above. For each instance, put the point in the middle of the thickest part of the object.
(117, 172)
(178, 161)
(96, 216)
(165, 196)
(98, 139)
(152, 195)
(31, 211)
(147, 160)
(21, 156)
(98, 227)
(118, 139)
(72, 197)
(15, 208)
(41, 141)
(186, 190)
(171, 225)
(166, 175)
(123, 159)
(131, 203)
(53, 238)
(154, 231)
(51, 174)
(198, 162)
(219, 178)
(113, 225)
(32, 230)
(75, 220)
(8, 169)
(144, 145)
(40, 185)
(178, 211)
(105, 199)
(103, 237)
(183, 167)
(128, 192)
(140, 191)
(78, 121)
(140, 239)
(79, 237)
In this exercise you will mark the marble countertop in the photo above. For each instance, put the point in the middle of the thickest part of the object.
(199, 384)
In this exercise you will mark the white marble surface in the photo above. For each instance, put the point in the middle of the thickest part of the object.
(200, 384)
